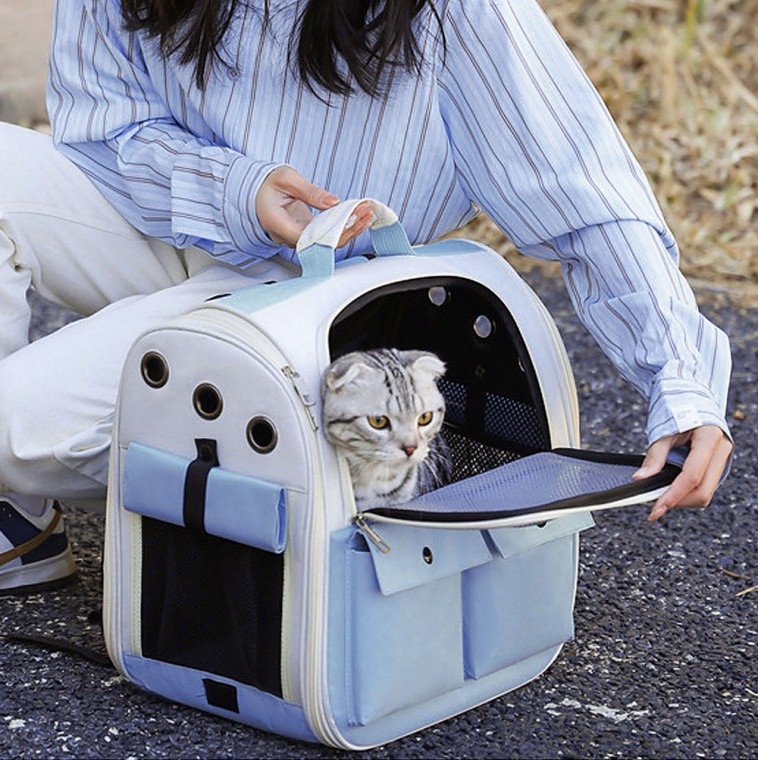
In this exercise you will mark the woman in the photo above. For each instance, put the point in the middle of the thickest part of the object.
(195, 139)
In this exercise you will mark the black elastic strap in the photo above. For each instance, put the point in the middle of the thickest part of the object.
(59, 645)
(196, 481)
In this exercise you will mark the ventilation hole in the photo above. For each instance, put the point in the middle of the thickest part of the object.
(262, 435)
(438, 296)
(207, 401)
(483, 326)
(426, 553)
(154, 369)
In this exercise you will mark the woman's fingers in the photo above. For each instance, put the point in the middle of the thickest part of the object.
(284, 202)
(701, 471)
(361, 219)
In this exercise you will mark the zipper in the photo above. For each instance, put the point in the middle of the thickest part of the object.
(120, 531)
(112, 611)
(371, 533)
(305, 398)
(315, 691)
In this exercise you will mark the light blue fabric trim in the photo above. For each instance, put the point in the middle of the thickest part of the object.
(317, 261)
(320, 265)
(246, 509)
(153, 483)
(237, 507)
(256, 708)
(422, 555)
(391, 240)
(449, 247)
(262, 296)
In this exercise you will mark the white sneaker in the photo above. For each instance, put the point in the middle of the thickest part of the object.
(34, 551)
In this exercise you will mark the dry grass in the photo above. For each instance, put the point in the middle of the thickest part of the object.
(681, 79)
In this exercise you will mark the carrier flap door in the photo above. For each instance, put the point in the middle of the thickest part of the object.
(532, 490)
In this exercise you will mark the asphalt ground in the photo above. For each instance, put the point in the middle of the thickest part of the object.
(663, 664)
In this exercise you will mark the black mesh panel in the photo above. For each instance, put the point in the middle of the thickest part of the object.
(212, 605)
(471, 457)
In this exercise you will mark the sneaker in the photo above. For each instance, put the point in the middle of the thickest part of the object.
(34, 551)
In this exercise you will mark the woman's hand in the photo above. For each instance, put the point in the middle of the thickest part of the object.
(701, 472)
(284, 202)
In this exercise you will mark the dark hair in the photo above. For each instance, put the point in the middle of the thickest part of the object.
(370, 36)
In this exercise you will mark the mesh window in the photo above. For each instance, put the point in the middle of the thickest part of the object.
(212, 605)
(471, 457)
(507, 423)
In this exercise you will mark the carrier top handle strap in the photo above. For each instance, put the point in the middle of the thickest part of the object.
(319, 239)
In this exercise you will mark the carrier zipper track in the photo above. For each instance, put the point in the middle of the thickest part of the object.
(305, 397)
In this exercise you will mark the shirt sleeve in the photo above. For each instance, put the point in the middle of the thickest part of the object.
(536, 148)
(108, 119)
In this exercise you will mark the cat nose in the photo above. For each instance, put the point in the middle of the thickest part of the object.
(409, 450)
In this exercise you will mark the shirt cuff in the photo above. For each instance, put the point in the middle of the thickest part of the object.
(241, 186)
(677, 406)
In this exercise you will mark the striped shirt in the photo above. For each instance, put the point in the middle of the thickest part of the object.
(500, 118)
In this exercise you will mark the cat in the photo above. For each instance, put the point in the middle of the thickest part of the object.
(384, 412)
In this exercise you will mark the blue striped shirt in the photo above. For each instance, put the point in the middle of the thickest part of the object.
(502, 118)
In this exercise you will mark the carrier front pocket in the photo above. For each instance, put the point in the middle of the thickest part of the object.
(522, 602)
(402, 632)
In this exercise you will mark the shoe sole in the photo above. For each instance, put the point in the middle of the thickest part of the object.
(54, 572)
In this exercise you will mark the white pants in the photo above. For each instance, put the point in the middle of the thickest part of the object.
(59, 236)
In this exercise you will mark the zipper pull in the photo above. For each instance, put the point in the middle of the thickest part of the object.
(371, 534)
(302, 393)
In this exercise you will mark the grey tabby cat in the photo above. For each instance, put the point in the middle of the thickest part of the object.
(383, 410)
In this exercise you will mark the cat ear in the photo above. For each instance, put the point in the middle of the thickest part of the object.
(344, 371)
(429, 363)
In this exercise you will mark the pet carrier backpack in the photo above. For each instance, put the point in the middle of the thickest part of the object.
(238, 576)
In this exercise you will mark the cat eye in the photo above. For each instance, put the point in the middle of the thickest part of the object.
(425, 418)
(378, 422)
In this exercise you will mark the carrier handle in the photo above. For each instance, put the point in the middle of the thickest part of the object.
(319, 239)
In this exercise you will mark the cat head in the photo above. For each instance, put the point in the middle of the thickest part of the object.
(383, 406)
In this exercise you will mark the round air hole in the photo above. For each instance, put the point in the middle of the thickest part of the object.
(154, 369)
(207, 401)
(438, 296)
(483, 326)
(426, 553)
(262, 435)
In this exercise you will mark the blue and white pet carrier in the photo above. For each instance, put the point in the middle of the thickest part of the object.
(239, 577)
